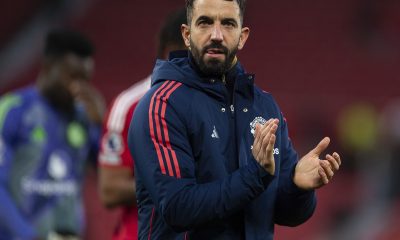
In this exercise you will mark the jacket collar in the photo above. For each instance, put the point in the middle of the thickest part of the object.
(181, 67)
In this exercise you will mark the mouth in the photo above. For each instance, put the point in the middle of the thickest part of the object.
(215, 52)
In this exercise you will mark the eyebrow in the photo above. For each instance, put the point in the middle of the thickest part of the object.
(209, 19)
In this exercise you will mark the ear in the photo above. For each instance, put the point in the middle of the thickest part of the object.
(243, 37)
(185, 30)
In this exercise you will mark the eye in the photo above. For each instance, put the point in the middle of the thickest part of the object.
(204, 21)
(229, 22)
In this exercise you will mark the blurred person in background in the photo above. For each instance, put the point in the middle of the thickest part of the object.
(213, 159)
(373, 140)
(116, 171)
(48, 131)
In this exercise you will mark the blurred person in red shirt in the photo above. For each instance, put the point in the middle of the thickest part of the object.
(116, 171)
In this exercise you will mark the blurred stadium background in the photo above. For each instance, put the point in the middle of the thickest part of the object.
(334, 67)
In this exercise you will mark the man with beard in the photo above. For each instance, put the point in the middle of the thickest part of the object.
(46, 136)
(213, 159)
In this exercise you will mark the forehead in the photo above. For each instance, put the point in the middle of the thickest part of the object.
(216, 9)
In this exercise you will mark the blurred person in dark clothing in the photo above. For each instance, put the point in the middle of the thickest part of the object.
(47, 133)
(116, 171)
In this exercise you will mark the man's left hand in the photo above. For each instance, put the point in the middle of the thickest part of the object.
(312, 172)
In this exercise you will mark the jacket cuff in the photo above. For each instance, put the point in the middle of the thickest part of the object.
(292, 188)
(263, 175)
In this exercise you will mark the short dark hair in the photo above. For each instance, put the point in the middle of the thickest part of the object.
(190, 3)
(60, 42)
(170, 32)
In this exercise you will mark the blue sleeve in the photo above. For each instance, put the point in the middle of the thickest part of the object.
(93, 133)
(293, 205)
(94, 136)
(10, 218)
(165, 164)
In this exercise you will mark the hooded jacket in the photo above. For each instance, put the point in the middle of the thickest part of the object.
(196, 176)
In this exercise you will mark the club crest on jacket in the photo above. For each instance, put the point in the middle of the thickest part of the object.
(256, 120)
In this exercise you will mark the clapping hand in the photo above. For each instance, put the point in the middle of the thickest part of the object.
(263, 145)
(312, 172)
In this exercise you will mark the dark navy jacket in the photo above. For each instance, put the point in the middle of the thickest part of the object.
(182, 136)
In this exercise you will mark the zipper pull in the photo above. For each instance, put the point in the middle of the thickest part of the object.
(223, 79)
(232, 108)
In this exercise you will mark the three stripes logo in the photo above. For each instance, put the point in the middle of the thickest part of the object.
(159, 129)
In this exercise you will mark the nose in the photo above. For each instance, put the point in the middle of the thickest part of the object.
(216, 34)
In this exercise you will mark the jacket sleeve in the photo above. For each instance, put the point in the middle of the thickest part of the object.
(164, 162)
(10, 217)
(293, 205)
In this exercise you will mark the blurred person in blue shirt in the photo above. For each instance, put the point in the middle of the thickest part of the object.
(47, 132)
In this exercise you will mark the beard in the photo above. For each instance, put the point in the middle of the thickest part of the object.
(213, 67)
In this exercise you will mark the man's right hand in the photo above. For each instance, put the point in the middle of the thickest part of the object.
(92, 100)
(263, 145)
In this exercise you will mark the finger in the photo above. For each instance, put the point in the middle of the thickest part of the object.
(272, 126)
(266, 141)
(323, 176)
(337, 158)
(257, 132)
(265, 134)
(327, 169)
(275, 123)
(257, 142)
(258, 139)
(261, 138)
(266, 127)
(264, 145)
(322, 145)
(271, 144)
(333, 162)
(272, 132)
